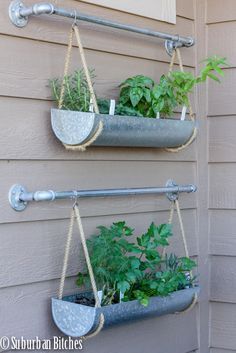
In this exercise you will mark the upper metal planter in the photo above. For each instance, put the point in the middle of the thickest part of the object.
(77, 320)
(76, 128)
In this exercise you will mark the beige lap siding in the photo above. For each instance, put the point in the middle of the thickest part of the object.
(221, 21)
(32, 242)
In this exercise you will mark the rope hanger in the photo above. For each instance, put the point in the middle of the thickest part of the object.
(175, 205)
(75, 30)
(75, 215)
(177, 52)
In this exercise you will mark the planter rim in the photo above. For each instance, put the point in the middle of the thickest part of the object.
(77, 320)
(75, 128)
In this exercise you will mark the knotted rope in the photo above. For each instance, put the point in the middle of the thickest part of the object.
(191, 113)
(75, 30)
(75, 214)
(175, 205)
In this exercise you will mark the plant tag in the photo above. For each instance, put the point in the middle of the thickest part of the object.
(112, 107)
(100, 294)
(158, 115)
(121, 296)
(91, 108)
(183, 115)
(188, 278)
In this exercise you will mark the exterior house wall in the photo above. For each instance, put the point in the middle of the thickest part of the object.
(32, 242)
(221, 34)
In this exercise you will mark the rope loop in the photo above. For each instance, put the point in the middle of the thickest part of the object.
(75, 30)
(175, 206)
(177, 52)
(75, 215)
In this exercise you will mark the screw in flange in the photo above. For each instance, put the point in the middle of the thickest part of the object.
(14, 14)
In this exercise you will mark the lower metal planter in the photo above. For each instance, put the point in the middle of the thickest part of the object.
(76, 128)
(77, 320)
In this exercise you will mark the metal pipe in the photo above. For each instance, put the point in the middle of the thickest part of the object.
(19, 14)
(19, 197)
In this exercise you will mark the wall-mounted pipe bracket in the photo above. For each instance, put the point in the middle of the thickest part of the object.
(14, 14)
(19, 197)
(14, 197)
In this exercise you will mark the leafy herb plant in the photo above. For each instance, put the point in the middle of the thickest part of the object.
(135, 269)
(76, 96)
(171, 91)
(139, 95)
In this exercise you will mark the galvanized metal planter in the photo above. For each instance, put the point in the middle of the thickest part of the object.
(75, 128)
(77, 320)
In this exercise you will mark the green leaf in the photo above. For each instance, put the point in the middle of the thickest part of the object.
(147, 95)
(213, 77)
(135, 263)
(144, 301)
(165, 230)
(123, 286)
(152, 254)
(131, 276)
(80, 279)
(136, 94)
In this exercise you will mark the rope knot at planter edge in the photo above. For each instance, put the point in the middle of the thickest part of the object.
(191, 113)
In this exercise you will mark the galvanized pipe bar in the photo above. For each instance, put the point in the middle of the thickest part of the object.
(19, 197)
(19, 14)
(59, 195)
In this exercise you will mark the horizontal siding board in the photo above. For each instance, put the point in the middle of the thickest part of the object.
(222, 232)
(218, 41)
(222, 193)
(70, 175)
(164, 10)
(219, 350)
(222, 143)
(32, 303)
(223, 325)
(220, 12)
(223, 279)
(33, 137)
(186, 8)
(221, 97)
(33, 251)
(110, 40)
(30, 79)
(101, 38)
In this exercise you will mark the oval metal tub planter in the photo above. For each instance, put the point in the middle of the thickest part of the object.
(77, 320)
(76, 128)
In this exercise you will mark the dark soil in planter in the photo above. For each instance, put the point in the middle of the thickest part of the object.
(89, 300)
(85, 300)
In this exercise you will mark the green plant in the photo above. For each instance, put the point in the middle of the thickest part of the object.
(139, 95)
(77, 95)
(136, 269)
(172, 90)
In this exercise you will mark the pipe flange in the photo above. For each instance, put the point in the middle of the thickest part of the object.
(14, 14)
(14, 197)
(172, 196)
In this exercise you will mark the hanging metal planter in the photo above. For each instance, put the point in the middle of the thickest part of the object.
(77, 320)
(76, 128)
